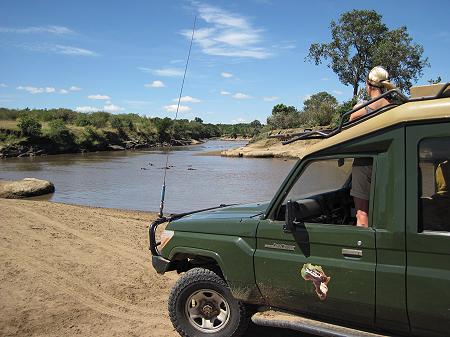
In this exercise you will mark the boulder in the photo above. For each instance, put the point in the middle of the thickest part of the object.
(28, 187)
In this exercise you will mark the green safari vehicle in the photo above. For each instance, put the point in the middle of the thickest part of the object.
(301, 253)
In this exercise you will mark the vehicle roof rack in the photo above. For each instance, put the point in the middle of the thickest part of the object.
(396, 96)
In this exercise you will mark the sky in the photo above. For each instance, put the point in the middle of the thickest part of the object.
(129, 56)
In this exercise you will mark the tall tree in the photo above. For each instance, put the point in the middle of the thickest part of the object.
(319, 109)
(283, 117)
(360, 41)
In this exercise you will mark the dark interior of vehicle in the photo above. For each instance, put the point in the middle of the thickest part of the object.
(333, 207)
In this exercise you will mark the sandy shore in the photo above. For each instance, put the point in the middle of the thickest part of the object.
(81, 271)
(270, 148)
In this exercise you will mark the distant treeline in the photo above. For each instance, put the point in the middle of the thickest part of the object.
(64, 130)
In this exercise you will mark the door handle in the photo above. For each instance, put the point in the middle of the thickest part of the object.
(351, 253)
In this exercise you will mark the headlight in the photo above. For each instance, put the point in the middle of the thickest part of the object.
(165, 238)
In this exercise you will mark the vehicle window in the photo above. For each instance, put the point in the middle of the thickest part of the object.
(320, 177)
(325, 191)
(434, 184)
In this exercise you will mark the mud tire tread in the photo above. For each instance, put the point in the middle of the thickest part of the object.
(202, 275)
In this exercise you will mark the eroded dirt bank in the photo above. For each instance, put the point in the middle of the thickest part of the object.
(81, 271)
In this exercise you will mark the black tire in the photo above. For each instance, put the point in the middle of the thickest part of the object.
(190, 297)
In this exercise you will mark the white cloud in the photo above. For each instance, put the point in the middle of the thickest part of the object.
(99, 97)
(57, 30)
(155, 84)
(37, 90)
(240, 95)
(74, 88)
(187, 99)
(86, 109)
(226, 75)
(325, 79)
(137, 103)
(227, 34)
(69, 50)
(112, 108)
(337, 92)
(63, 91)
(270, 98)
(238, 120)
(3, 85)
(57, 49)
(223, 92)
(173, 108)
(166, 72)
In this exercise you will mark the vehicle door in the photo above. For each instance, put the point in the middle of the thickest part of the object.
(324, 268)
(428, 228)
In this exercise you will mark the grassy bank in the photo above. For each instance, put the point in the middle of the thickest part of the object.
(35, 132)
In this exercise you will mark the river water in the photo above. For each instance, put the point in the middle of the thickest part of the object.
(133, 179)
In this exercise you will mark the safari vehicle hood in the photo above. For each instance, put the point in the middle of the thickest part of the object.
(236, 220)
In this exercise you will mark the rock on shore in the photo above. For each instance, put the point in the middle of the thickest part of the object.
(28, 187)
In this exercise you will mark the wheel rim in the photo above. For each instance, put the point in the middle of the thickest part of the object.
(207, 311)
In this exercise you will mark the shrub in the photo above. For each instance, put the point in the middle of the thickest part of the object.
(82, 119)
(99, 119)
(60, 134)
(29, 126)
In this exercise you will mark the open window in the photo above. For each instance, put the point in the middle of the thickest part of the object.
(321, 193)
(434, 184)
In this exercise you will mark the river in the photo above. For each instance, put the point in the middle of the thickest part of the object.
(133, 179)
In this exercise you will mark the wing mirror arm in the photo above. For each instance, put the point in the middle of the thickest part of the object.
(289, 226)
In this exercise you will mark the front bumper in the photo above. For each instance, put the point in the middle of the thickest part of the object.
(160, 264)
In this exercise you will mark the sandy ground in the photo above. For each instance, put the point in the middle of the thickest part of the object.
(80, 271)
(271, 148)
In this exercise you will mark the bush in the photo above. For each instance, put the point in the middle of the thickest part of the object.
(82, 119)
(60, 134)
(99, 119)
(29, 126)
(91, 138)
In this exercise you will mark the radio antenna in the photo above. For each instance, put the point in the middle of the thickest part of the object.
(163, 190)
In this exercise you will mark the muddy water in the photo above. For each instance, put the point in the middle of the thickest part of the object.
(132, 180)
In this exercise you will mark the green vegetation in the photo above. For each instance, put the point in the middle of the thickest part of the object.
(360, 41)
(321, 109)
(65, 131)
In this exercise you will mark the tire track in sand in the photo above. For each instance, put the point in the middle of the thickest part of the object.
(96, 241)
(76, 282)
(47, 279)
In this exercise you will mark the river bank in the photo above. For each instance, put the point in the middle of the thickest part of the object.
(270, 148)
(73, 270)
(29, 148)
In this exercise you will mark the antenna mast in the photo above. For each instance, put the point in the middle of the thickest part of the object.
(163, 190)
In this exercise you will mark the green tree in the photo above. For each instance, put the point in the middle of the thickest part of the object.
(283, 117)
(360, 41)
(198, 120)
(29, 126)
(319, 109)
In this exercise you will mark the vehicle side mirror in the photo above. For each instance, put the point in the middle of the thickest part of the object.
(289, 217)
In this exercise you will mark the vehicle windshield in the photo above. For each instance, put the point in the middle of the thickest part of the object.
(320, 177)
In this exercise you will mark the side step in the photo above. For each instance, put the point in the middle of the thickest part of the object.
(310, 326)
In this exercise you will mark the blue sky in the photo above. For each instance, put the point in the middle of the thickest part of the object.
(128, 56)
